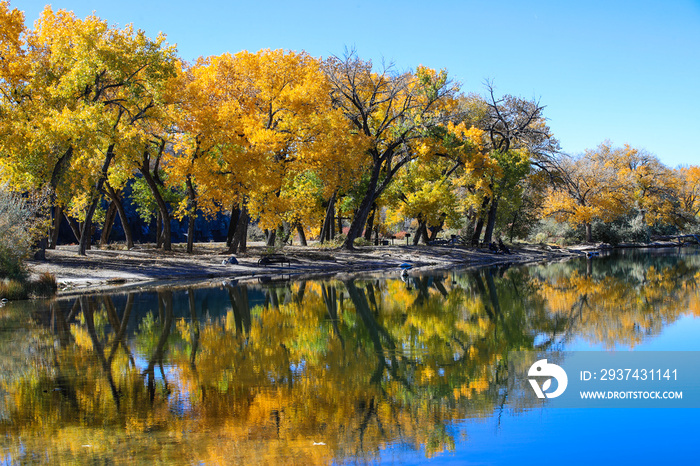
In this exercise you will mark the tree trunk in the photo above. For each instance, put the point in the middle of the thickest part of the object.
(190, 232)
(56, 224)
(112, 194)
(192, 214)
(419, 230)
(284, 232)
(302, 235)
(331, 226)
(85, 239)
(238, 242)
(476, 236)
(327, 232)
(360, 218)
(512, 225)
(435, 230)
(162, 207)
(86, 229)
(110, 216)
(589, 232)
(491, 223)
(423, 233)
(159, 227)
(233, 222)
(270, 236)
(85, 234)
(370, 223)
(243, 245)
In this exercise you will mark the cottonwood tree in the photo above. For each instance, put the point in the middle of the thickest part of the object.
(588, 189)
(689, 191)
(650, 187)
(197, 138)
(393, 111)
(611, 182)
(89, 89)
(518, 137)
(262, 126)
(430, 189)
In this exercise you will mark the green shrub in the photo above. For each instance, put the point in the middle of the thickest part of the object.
(361, 241)
(334, 243)
(555, 232)
(21, 223)
(604, 232)
(541, 237)
(11, 265)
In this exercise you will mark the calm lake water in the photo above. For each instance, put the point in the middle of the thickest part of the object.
(364, 370)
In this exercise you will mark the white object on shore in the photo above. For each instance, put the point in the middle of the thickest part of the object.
(230, 261)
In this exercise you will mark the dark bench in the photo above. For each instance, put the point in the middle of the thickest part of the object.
(454, 240)
(273, 259)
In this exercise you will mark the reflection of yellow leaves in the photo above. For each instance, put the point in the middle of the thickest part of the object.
(479, 385)
(82, 338)
(426, 373)
(474, 387)
(614, 310)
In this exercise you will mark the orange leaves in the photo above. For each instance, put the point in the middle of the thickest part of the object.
(608, 183)
(689, 189)
(258, 122)
(589, 189)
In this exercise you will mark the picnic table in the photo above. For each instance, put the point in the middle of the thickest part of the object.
(453, 241)
(274, 259)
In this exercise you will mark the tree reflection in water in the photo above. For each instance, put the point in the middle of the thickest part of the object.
(310, 372)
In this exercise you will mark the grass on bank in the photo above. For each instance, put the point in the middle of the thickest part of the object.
(17, 289)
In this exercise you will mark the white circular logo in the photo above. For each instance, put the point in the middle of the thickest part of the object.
(543, 369)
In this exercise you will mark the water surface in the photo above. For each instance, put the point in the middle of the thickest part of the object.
(343, 371)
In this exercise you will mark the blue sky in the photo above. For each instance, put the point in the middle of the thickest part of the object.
(624, 71)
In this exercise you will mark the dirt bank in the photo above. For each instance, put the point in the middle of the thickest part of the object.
(145, 265)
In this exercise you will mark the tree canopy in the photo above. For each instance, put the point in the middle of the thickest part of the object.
(292, 142)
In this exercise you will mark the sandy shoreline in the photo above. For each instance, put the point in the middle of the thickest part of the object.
(106, 269)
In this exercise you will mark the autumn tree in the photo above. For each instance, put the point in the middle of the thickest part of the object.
(199, 140)
(258, 130)
(429, 188)
(589, 189)
(689, 192)
(518, 137)
(393, 111)
(86, 96)
(649, 186)
(618, 183)
(13, 58)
